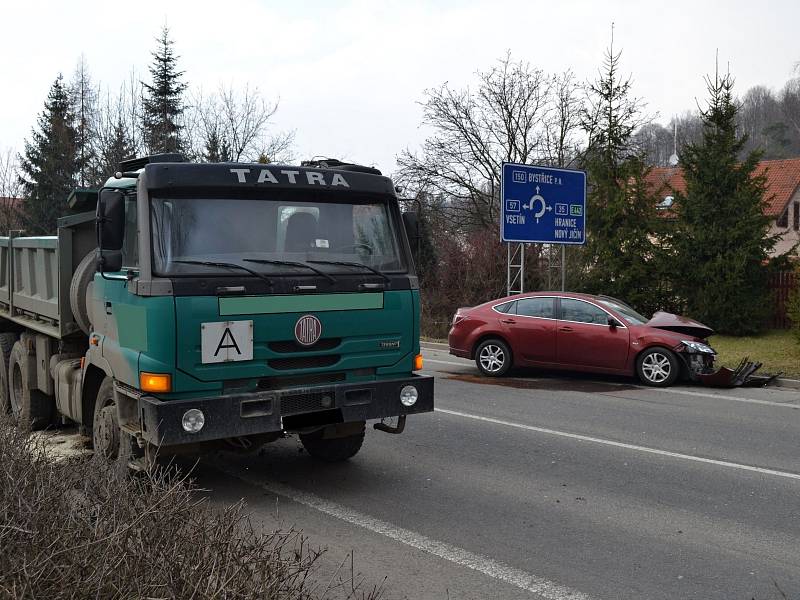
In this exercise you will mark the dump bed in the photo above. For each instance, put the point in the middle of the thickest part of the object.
(36, 272)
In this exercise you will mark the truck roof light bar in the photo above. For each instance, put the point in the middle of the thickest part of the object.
(333, 163)
(130, 166)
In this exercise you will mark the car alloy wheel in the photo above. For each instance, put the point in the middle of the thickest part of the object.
(658, 367)
(493, 358)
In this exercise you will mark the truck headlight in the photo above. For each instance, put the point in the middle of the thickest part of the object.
(408, 395)
(698, 347)
(193, 420)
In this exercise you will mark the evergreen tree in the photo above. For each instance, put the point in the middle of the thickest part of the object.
(620, 256)
(721, 241)
(217, 149)
(117, 148)
(162, 104)
(50, 164)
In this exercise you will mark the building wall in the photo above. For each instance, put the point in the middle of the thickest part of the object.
(790, 235)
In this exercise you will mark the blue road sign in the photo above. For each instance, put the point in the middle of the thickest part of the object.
(542, 205)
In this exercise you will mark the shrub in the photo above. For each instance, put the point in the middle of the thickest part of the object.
(73, 528)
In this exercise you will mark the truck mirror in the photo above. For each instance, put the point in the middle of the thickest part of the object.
(110, 226)
(411, 224)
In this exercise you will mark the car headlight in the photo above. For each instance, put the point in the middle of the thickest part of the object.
(698, 347)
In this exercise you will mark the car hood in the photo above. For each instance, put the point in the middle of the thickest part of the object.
(678, 324)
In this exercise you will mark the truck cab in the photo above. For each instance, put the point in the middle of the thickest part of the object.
(236, 303)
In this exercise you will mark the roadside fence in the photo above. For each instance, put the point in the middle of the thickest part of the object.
(781, 284)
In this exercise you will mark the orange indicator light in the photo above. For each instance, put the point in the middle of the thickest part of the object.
(155, 382)
(418, 362)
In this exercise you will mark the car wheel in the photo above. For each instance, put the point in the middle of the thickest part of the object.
(493, 358)
(657, 367)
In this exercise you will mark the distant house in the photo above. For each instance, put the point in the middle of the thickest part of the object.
(782, 195)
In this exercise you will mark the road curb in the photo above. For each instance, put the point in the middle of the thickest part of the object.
(793, 384)
(782, 382)
(436, 346)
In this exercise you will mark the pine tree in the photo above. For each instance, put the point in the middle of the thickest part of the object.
(620, 257)
(721, 240)
(162, 104)
(217, 149)
(50, 164)
(117, 148)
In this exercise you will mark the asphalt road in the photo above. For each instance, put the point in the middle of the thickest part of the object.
(553, 487)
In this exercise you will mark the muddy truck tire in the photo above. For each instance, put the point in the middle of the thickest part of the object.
(30, 407)
(7, 341)
(332, 450)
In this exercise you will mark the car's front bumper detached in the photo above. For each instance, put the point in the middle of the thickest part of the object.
(236, 415)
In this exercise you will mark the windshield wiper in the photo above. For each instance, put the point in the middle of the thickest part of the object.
(351, 264)
(290, 263)
(226, 265)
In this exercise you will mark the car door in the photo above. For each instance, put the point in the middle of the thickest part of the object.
(585, 339)
(531, 329)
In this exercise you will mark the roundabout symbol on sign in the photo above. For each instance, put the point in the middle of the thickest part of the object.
(538, 212)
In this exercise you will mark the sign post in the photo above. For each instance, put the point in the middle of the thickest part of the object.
(541, 205)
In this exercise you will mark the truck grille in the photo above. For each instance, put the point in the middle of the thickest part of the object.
(305, 403)
(292, 346)
(303, 362)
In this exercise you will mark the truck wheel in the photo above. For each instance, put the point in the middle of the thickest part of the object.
(30, 408)
(493, 358)
(7, 341)
(334, 449)
(658, 367)
(110, 442)
(83, 276)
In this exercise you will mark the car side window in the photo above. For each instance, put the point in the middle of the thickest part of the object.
(536, 307)
(582, 312)
(506, 307)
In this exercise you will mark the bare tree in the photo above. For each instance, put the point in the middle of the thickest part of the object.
(84, 104)
(10, 191)
(474, 132)
(234, 124)
(563, 120)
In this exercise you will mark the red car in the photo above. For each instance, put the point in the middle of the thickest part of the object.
(580, 332)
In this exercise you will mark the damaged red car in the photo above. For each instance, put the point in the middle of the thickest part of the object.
(581, 332)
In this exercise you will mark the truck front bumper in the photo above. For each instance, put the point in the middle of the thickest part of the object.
(254, 413)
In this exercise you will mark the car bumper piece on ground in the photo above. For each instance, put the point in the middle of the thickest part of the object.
(744, 375)
(260, 412)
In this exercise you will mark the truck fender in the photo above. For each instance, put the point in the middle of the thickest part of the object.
(93, 376)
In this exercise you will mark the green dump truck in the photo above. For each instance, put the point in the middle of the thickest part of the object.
(190, 306)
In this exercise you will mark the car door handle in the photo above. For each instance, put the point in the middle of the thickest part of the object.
(567, 329)
(508, 321)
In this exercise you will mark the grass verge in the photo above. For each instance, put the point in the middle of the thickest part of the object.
(778, 350)
(76, 527)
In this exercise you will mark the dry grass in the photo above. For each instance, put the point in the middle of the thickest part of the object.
(74, 528)
(778, 350)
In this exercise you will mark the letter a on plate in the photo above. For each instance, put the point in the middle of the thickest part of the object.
(226, 341)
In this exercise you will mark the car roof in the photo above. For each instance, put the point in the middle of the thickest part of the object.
(576, 295)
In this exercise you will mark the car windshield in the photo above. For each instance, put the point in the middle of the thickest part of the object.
(270, 235)
(633, 317)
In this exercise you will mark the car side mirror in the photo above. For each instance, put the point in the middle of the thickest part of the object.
(613, 323)
(411, 224)
(110, 229)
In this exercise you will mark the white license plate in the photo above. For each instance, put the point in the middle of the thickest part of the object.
(226, 341)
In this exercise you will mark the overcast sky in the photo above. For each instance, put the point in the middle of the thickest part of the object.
(350, 74)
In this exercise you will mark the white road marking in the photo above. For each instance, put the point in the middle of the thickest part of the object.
(587, 438)
(496, 570)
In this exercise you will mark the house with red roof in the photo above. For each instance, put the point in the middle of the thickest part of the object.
(782, 196)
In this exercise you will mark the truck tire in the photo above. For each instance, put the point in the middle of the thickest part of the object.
(334, 449)
(30, 407)
(7, 341)
(111, 444)
(83, 276)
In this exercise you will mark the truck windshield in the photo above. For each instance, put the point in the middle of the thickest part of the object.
(275, 231)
